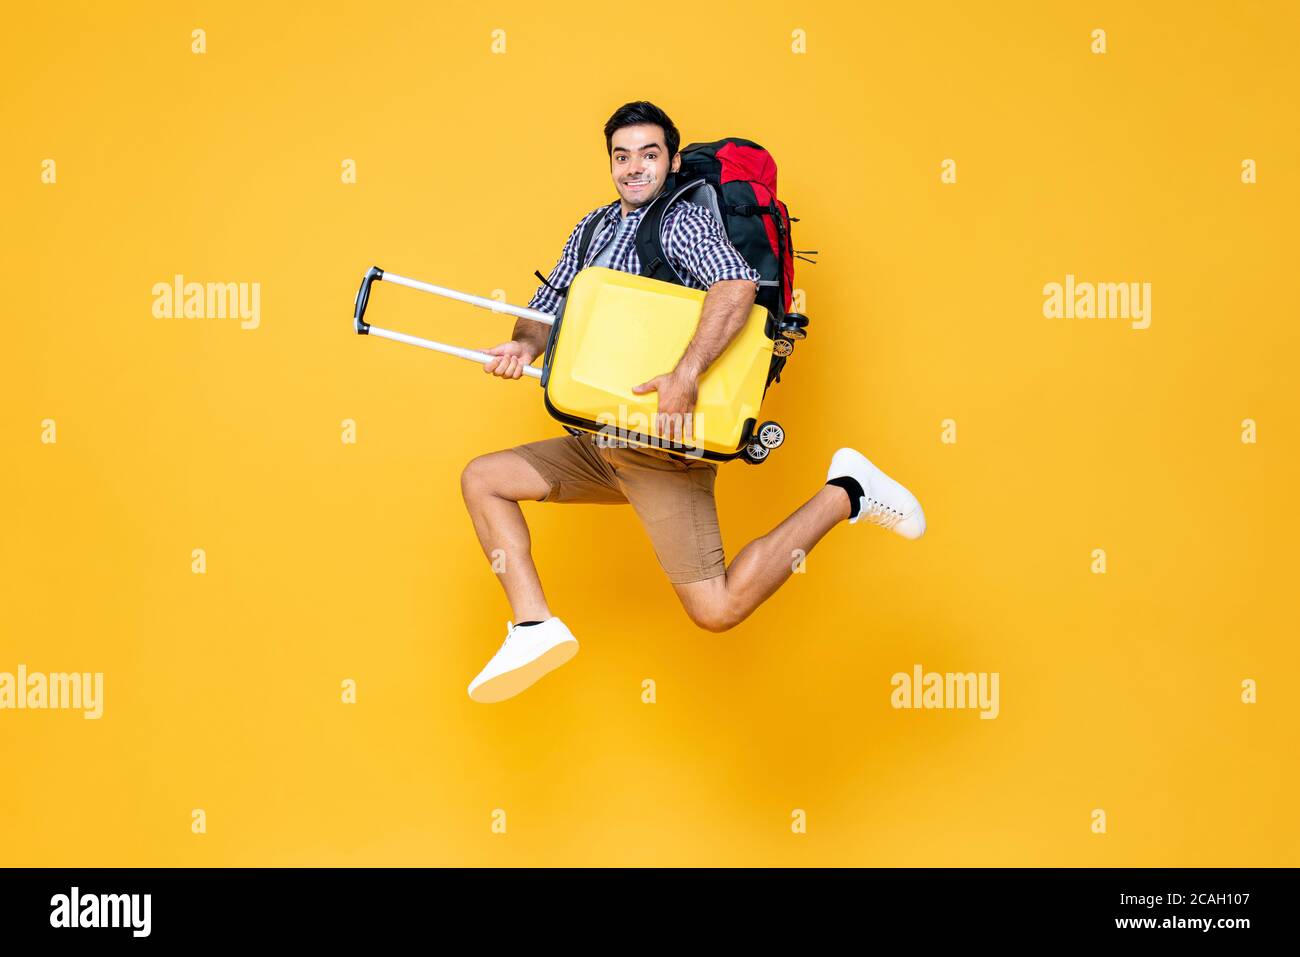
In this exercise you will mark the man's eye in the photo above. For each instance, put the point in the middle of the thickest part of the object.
(651, 155)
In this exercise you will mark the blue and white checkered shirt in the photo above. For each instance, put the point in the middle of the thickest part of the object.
(694, 242)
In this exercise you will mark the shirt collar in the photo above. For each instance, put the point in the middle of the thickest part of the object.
(615, 212)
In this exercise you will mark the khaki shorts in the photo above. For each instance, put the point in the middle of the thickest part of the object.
(673, 496)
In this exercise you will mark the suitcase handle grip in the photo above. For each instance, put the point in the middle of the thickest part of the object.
(363, 299)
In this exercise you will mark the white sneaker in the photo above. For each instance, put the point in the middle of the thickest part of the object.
(884, 502)
(527, 654)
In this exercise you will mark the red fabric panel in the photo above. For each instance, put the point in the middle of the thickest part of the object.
(746, 162)
(758, 167)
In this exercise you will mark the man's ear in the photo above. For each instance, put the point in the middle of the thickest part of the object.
(677, 163)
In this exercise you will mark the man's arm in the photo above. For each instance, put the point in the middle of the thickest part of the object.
(726, 308)
(532, 335)
(698, 244)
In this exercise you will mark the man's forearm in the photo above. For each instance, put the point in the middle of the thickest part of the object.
(726, 307)
(532, 333)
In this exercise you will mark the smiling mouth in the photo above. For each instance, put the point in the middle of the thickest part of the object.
(636, 185)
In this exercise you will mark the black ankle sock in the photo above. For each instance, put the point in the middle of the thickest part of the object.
(851, 486)
(525, 624)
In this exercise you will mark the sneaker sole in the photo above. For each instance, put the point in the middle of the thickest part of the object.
(510, 683)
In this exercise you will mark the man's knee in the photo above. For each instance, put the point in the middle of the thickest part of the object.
(716, 614)
(476, 477)
(505, 475)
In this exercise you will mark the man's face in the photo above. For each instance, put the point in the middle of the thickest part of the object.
(639, 163)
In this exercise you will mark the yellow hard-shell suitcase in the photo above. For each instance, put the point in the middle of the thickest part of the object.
(616, 330)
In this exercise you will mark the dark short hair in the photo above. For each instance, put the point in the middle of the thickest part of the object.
(636, 113)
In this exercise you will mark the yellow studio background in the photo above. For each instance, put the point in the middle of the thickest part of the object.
(329, 561)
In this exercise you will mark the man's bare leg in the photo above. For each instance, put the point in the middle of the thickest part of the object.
(762, 566)
(493, 485)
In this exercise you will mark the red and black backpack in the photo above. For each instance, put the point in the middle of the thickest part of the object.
(735, 180)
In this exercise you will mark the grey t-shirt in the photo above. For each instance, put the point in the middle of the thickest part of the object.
(606, 254)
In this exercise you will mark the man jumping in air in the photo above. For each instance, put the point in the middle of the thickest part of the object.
(672, 495)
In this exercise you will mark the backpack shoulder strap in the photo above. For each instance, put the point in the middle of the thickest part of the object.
(588, 234)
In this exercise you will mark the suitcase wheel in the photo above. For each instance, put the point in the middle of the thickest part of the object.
(770, 435)
(755, 452)
(794, 326)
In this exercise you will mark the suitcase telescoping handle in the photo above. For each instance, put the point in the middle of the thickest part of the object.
(365, 329)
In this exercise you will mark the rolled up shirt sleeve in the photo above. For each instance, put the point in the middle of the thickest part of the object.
(697, 241)
(546, 299)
